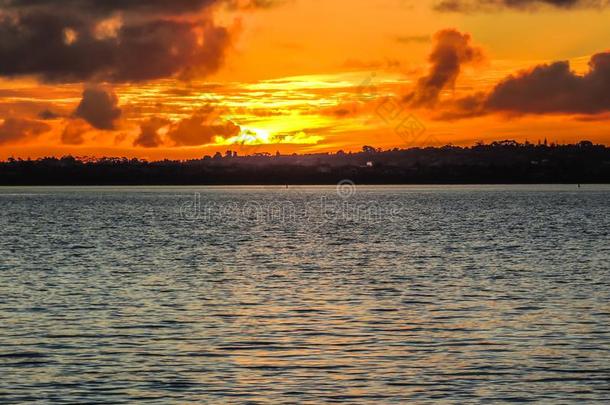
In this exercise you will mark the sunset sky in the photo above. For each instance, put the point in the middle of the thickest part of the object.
(181, 79)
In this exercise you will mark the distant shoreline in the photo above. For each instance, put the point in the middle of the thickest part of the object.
(505, 162)
(293, 186)
(281, 186)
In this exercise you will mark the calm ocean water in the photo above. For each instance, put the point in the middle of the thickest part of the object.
(305, 295)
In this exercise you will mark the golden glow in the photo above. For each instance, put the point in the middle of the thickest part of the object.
(310, 76)
(256, 136)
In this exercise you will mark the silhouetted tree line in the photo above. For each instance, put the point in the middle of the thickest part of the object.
(498, 162)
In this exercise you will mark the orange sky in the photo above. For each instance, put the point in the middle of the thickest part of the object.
(318, 75)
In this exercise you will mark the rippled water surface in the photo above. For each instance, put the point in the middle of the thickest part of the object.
(275, 295)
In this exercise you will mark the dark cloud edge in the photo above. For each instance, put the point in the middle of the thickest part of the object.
(490, 6)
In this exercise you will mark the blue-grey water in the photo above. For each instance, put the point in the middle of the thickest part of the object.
(478, 294)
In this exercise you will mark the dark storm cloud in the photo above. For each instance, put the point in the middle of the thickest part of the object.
(452, 49)
(67, 49)
(19, 129)
(140, 6)
(491, 5)
(99, 107)
(555, 88)
(66, 41)
(545, 89)
(105, 7)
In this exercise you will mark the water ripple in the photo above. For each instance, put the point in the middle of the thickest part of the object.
(467, 295)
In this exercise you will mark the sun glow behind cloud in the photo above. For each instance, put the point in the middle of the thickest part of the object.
(278, 82)
(255, 136)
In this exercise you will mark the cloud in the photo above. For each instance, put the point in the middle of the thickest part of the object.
(107, 7)
(48, 114)
(254, 4)
(113, 40)
(546, 89)
(452, 49)
(554, 88)
(136, 7)
(74, 132)
(99, 107)
(18, 129)
(349, 109)
(39, 44)
(149, 133)
(201, 129)
(470, 106)
(469, 6)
